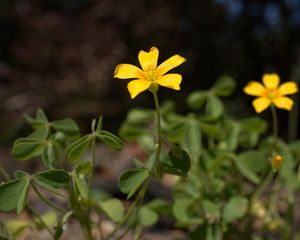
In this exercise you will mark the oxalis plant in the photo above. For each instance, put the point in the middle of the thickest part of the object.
(231, 180)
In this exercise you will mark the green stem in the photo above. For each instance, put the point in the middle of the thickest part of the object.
(42, 222)
(274, 198)
(46, 201)
(134, 206)
(86, 231)
(157, 165)
(261, 187)
(4, 173)
(156, 170)
(275, 125)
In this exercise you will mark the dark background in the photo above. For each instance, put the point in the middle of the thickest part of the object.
(60, 54)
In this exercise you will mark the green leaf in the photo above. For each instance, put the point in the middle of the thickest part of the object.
(211, 130)
(160, 206)
(16, 227)
(23, 197)
(224, 86)
(192, 140)
(49, 218)
(40, 115)
(67, 126)
(77, 149)
(197, 99)
(176, 131)
(48, 156)
(13, 194)
(147, 217)
(84, 168)
(232, 138)
(4, 233)
(113, 208)
(20, 174)
(253, 124)
(110, 139)
(99, 124)
(130, 181)
(235, 208)
(139, 116)
(39, 134)
(214, 106)
(146, 143)
(60, 223)
(52, 179)
(183, 213)
(212, 210)
(252, 162)
(80, 186)
(176, 162)
(40, 120)
(26, 148)
(130, 132)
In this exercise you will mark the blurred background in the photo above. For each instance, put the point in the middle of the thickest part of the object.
(60, 54)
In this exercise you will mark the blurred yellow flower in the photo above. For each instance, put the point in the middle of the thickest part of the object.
(150, 74)
(271, 93)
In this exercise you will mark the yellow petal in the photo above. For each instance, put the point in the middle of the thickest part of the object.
(148, 60)
(135, 87)
(283, 103)
(170, 81)
(271, 81)
(125, 71)
(260, 104)
(288, 88)
(169, 64)
(254, 88)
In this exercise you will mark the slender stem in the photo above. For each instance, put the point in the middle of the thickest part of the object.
(157, 166)
(4, 173)
(274, 197)
(86, 231)
(42, 222)
(94, 151)
(259, 190)
(156, 170)
(46, 201)
(139, 199)
(275, 123)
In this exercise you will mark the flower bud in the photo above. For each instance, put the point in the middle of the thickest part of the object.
(277, 162)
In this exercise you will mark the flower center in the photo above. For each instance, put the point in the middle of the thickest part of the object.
(272, 93)
(151, 75)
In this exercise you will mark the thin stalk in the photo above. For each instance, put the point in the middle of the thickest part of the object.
(46, 201)
(275, 124)
(134, 206)
(4, 173)
(42, 222)
(157, 166)
(94, 151)
(86, 231)
(156, 171)
(261, 187)
(87, 228)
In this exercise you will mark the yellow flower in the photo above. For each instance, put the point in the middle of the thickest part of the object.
(271, 93)
(150, 74)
